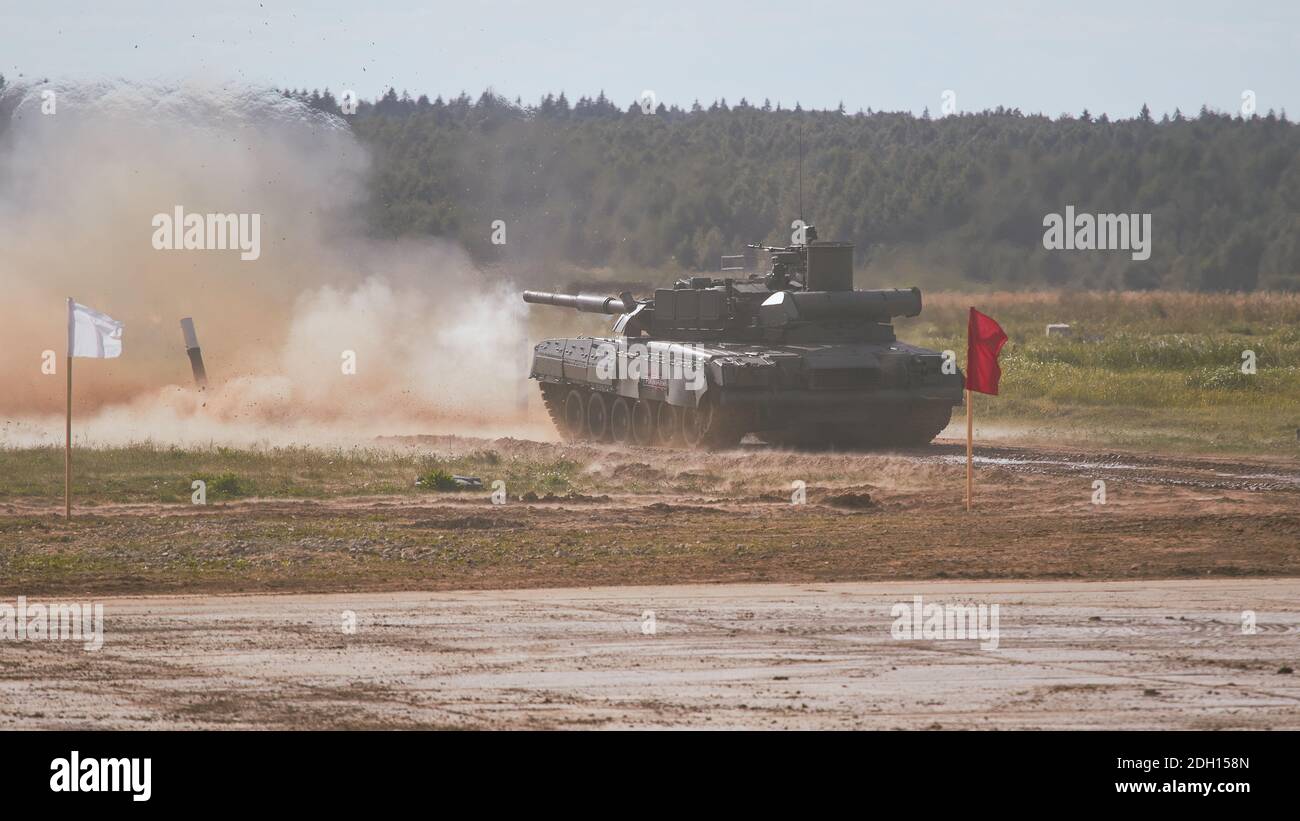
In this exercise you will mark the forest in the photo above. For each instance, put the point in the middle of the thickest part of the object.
(958, 200)
(954, 201)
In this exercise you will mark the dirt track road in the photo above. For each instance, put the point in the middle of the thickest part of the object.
(1126, 654)
(1201, 472)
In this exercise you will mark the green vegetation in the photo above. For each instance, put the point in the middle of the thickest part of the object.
(437, 479)
(155, 473)
(957, 201)
(1155, 370)
(227, 486)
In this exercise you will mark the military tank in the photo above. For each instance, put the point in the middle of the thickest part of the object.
(793, 355)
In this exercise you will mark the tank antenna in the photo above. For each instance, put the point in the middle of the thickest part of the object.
(801, 170)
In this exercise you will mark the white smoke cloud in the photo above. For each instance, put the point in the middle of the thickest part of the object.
(439, 347)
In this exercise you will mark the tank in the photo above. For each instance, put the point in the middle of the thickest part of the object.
(793, 355)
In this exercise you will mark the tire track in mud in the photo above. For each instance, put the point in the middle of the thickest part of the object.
(821, 638)
(754, 656)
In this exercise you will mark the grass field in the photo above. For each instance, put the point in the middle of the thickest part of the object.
(1154, 371)
(151, 473)
(328, 519)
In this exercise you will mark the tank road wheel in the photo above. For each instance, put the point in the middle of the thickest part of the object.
(643, 423)
(668, 431)
(620, 421)
(597, 418)
(575, 416)
(708, 427)
(695, 424)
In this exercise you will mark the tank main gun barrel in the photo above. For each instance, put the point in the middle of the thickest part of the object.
(582, 302)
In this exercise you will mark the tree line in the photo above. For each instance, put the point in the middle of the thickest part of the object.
(960, 199)
(957, 200)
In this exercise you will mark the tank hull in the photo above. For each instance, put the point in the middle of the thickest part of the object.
(709, 395)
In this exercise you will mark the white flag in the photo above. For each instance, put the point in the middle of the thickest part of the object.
(92, 334)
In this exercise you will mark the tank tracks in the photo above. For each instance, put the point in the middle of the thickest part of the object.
(583, 415)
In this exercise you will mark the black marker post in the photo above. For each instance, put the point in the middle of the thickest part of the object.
(196, 356)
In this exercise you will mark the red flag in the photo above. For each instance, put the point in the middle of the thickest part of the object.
(984, 340)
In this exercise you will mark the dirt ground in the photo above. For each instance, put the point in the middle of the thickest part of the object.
(1069, 655)
(767, 613)
(672, 517)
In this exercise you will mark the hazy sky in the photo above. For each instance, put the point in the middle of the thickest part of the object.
(1045, 57)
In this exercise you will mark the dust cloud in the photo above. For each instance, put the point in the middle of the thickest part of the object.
(439, 347)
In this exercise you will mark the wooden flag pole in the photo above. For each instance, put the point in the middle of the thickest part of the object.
(970, 447)
(67, 430)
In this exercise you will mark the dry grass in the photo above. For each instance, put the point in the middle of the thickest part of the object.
(1158, 370)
